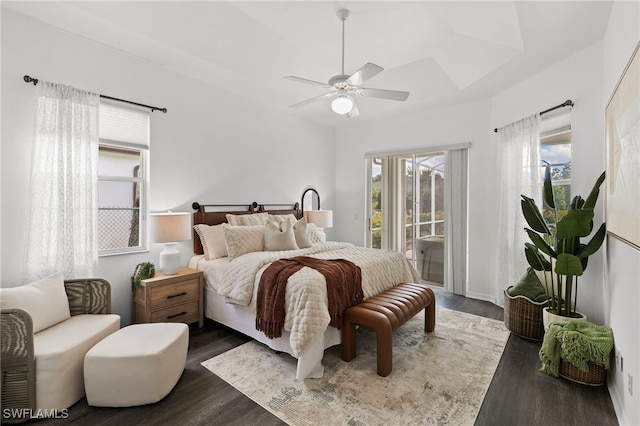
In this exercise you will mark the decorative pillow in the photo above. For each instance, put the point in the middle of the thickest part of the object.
(45, 300)
(529, 286)
(315, 235)
(279, 236)
(212, 239)
(280, 218)
(243, 239)
(247, 219)
(300, 232)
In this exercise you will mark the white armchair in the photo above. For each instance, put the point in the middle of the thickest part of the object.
(47, 327)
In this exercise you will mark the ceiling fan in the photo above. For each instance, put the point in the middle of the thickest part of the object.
(342, 86)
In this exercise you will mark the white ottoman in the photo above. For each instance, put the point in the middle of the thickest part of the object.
(136, 365)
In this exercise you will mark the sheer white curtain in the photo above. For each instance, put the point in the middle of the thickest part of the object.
(519, 173)
(63, 191)
(455, 206)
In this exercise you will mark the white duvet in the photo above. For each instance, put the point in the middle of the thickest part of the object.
(307, 313)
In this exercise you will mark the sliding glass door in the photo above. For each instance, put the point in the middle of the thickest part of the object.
(406, 209)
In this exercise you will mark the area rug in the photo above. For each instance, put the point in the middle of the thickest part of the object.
(437, 378)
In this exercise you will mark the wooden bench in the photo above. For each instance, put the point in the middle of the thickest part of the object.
(384, 313)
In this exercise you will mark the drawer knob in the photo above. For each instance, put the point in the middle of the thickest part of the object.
(176, 315)
(171, 296)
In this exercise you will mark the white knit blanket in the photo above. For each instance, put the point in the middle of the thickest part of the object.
(307, 313)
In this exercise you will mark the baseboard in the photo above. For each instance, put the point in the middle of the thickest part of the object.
(618, 402)
(486, 298)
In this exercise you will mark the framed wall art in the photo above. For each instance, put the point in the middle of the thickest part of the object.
(622, 122)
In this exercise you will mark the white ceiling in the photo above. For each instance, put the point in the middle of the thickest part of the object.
(443, 52)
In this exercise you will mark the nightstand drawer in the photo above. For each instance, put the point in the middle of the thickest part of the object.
(187, 312)
(172, 294)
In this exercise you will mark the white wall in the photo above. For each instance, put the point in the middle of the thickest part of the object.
(430, 128)
(623, 262)
(211, 147)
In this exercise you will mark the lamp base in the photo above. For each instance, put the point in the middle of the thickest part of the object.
(169, 259)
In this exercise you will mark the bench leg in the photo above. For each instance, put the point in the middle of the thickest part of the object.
(430, 313)
(384, 342)
(348, 341)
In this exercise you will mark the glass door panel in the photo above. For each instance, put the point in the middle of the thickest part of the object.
(407, 209)
(375, 215)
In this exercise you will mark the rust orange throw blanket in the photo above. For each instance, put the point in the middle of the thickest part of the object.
(344, 289)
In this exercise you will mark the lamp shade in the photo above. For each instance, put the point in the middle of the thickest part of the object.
(169, 227)
(321, 218)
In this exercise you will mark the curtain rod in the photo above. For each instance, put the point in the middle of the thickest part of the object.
(566, 103)
(29, 79)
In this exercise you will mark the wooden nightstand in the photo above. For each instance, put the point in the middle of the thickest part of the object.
(170, 298)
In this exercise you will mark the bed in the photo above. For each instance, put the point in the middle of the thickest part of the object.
(232, 254)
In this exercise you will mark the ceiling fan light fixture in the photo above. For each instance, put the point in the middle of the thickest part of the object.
(341, 86)
(342, 104)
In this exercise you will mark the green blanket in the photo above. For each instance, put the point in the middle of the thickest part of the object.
(577, 342)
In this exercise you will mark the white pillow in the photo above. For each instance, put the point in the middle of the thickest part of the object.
(280, 218)
(315, 235)
(45, 300)
(300, 232)
(278, 235)
(212, 239)
(243, 239)
(247, 219)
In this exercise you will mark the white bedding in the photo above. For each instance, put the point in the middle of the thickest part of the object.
(307, 315)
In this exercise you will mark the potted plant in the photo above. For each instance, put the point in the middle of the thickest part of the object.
(556, 248)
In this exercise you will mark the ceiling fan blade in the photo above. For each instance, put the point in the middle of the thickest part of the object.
(308, 101)
(306, 81)
(394, 95)
(354, 111)
(367, 71)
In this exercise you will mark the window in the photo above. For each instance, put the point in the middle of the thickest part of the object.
(122, 155)
(555, 150)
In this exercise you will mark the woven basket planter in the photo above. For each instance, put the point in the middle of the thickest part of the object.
(596, 376)
(523, 317)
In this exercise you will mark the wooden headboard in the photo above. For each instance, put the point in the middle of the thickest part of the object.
(213, 214)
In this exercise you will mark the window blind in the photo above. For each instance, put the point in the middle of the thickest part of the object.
(127, 126)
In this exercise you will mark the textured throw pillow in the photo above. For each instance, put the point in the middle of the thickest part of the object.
(530, 287)
(280, 218)
(45, 300)
(300, 232)
(315, 235)
(278, 235)
(243, 239)
(212, 239)
(247, 219)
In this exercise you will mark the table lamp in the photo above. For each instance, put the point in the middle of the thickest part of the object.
(321, 218)
(169, 228)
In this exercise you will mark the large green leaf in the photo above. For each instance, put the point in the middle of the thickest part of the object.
(594, 244)
(533, 216)
(568, 264)
(535, 258)
(576, 223)
(593, 196)
(540, 243)
(547, 192)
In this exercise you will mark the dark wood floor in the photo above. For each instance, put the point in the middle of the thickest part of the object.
(519, 394)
